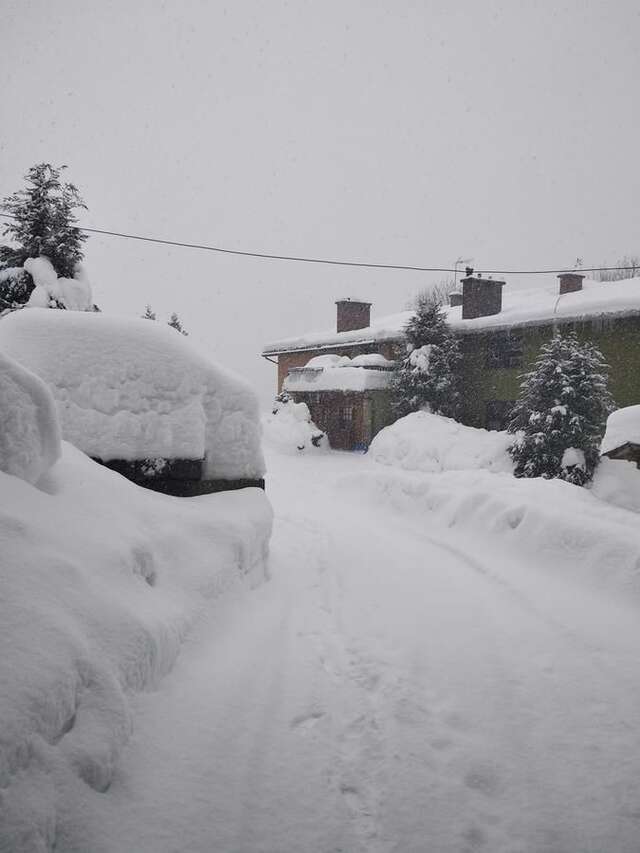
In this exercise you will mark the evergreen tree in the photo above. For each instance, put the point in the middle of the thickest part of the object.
(43, 223)
(174, 322)
(149, 313)
(428, 373)
(561, 414)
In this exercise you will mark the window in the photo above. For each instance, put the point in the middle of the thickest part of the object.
(504, 349)
(498, 413)
(345, 417)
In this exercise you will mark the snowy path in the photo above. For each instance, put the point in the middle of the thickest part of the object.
(392, 688)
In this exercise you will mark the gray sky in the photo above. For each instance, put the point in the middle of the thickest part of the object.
(410, 132)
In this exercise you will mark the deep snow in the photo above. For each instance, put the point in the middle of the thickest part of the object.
(128, 388)
(426, 670)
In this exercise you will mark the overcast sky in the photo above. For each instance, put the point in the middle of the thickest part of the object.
(401, 132)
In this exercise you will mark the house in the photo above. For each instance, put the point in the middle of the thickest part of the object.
(501, 332)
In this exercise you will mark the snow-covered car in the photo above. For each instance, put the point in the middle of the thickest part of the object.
(139, 398)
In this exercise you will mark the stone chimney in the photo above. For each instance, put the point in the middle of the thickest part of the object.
(352, 315)
(570, 282)
(455, 298)
(481, 297)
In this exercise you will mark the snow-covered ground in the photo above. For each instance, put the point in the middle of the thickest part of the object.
(412, 678)
(100, 583)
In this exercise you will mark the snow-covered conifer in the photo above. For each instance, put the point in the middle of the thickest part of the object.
(428, 373)
(43, 223)
(149, 313)
(174, 322)
(561, 414)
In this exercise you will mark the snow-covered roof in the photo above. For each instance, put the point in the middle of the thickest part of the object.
(340, 373)
(132, 389)
(536, 306)
(623, 427)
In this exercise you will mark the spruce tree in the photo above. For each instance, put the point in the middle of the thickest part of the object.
(43, 223)
(561, 414)
(428, 373)
(174, 322)
(149, 313)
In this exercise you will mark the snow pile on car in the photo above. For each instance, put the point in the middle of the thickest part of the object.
(100, 582)
(290, 429)
(430, 443)
(133, 389)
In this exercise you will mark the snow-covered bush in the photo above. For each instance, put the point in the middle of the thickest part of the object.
(428, 374)
(129, 389)
(101, 581)
(50, 291)
(430, 443)
(560, 416)
(42, 226)
(29, 428)
(289, 427)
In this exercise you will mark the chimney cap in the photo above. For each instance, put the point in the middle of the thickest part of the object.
(575, 274)
(354, 301)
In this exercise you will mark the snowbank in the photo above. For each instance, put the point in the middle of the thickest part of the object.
(623, 426)
(74, 293)
(554, 524)
(290, 429)
(617, 482)
(132, 389)
(430, 443)
(29, 428)
(100, 582)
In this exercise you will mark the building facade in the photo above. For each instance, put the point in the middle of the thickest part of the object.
(500, 334)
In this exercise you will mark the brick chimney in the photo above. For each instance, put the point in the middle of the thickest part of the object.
(570, 282)
(352, 315)
(455, 298)
(481, 297)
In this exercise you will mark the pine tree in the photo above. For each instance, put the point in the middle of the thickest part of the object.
(561, 414)
(149, 313)
(428, 373)
(174, 322)
(43, 223)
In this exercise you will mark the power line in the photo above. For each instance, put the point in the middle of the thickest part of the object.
(330, 261)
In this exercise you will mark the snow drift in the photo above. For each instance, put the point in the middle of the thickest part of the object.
(133, 389)
(290, 429)
(100, 582)
(430, 443)
(29, 428)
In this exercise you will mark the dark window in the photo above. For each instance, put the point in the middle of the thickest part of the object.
(345, 416)
(504, 349)
(498, 413)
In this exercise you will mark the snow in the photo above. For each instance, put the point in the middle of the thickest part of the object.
(290, 429)
(542, 304)
(101, 583)
(572, 457)
(339, 373)
(623, 426)
(439, 661)
(430, 443)
(372, 359)
(29, 428)
(74, 293)
(617, 481)
(419, 358)
(133, 389)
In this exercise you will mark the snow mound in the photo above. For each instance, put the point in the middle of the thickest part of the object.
(131, 389)
(29, 428)
(557, 526)
(73, 293)
(623, 426)
(101, 581)
(430, 443)
(289, 428)
(371, 359)
(617, 481)
(331, 360)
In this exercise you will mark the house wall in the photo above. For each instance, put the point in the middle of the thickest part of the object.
(368, 413)
(617, 338)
